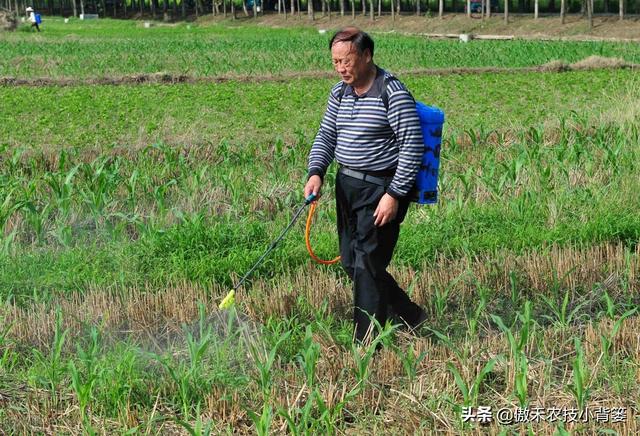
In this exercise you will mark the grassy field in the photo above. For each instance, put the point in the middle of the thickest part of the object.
(74, 50)
(127, 211)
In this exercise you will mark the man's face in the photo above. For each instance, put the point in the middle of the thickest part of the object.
(351, 66)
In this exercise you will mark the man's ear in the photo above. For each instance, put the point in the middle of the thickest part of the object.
(367, 55)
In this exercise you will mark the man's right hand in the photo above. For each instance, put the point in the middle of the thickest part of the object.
(313, 186)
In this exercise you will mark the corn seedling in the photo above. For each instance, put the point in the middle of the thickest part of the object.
(581, 377)
(411, 360)
(606, 341)
(53, 363)
(471, 390)
(83, 380)
(308, 357)
(264, 362)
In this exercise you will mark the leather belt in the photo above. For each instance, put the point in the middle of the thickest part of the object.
(380, 181)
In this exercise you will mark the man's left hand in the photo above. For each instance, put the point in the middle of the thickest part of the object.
(386, 210)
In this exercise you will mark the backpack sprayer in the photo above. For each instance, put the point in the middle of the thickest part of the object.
(424, 192)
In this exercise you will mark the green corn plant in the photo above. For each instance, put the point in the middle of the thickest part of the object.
(198, 347)
(581, 377)
(308, 357)
(441, 296)
(411, 360)
(562, 316)
(471, 390)
(521, 379)
(61, 185)
(462, 353)
(264, 362)
(131, 184)
(199, 428)
(263, 421)
(610, 304)
(6, 354)
(8, 206)
(37, 218)
(606, 341)
(52, 363)
(83, 382)
(472, 321)
(160, 195)
(363, 354)
(180, 376)
(517, 350)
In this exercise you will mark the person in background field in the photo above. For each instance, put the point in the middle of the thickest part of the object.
(32, 18)
(371, 128)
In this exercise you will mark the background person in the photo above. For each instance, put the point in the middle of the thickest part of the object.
(32, 18)
(379, 149)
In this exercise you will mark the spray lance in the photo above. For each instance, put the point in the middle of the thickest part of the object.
(229, 299)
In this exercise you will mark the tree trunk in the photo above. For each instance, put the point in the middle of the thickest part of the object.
(165, 10)
(379, 8)
(342, 8)
(506, 11)
(468, 8)
(536, 6)
(621, 9)
(299, 10)
(244, 8)
(224, 8)
(440, 8)
(293, 7)
(75, 8)
(364, 7)
(418, 8)
(353, 9)
(310, 10)
(371, 10)
(233, 9)
(488, 5)
(590, 13)
(563, 6)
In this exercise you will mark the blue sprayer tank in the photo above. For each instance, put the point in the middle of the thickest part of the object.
(431, 122)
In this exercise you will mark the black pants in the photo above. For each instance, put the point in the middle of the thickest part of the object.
(366, 251)
(36, 26)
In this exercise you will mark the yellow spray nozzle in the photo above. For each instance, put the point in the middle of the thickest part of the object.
(228, 301)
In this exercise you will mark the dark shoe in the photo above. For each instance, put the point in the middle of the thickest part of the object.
(420, 321)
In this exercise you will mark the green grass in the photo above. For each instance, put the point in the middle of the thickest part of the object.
(250, 115)
(115, 48)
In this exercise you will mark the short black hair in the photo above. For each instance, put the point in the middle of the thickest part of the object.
(361, 40)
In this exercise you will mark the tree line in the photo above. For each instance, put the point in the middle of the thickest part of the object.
(176, 9)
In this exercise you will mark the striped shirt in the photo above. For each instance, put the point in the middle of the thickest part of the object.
(361, 134)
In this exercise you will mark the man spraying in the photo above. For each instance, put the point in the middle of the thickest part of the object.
(371, 128)
(34, 19)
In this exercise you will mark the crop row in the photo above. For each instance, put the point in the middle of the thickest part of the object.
(215, 51)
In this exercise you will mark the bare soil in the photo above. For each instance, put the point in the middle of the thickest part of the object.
(590, 63)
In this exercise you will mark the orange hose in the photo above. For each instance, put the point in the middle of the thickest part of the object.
(307, 234)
